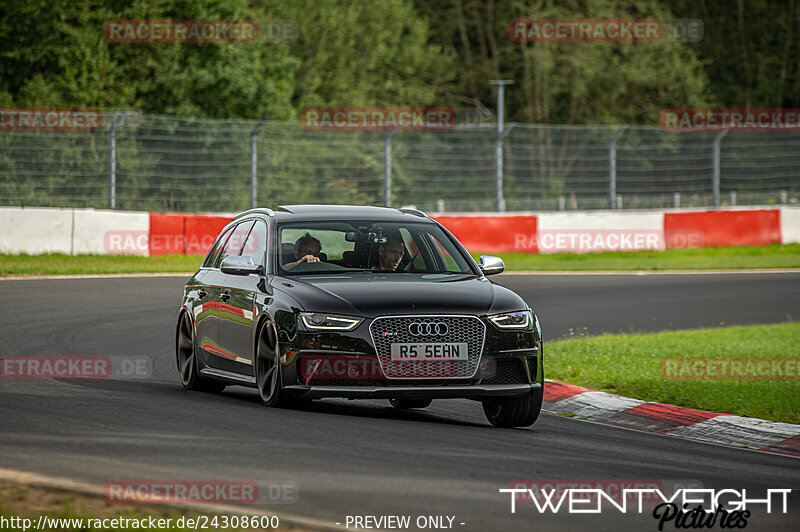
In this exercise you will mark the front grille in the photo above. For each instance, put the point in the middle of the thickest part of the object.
(389, 330)
(504, 371)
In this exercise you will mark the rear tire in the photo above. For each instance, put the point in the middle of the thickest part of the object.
(186, 356)
(405, 404)
(508, 412)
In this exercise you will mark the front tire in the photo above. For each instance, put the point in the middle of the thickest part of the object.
(186, 355)
(269, 378)
(405, 404)
(508, 412)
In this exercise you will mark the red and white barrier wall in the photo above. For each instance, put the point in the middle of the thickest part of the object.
(595, 231)
(88, 231)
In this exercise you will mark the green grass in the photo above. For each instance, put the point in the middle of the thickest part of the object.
(57, 264)
(773, 256)
(734, 257)
(630, 365)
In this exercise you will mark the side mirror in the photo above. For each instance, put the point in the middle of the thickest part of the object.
(239, 265)
(491, 265)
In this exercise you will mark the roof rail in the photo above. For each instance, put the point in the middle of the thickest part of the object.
(415, 212)
(258, 210)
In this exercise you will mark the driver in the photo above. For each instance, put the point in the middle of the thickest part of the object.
(306, 249)
(390, 254)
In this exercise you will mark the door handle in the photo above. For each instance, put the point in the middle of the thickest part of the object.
(225, 296)
(202, 293)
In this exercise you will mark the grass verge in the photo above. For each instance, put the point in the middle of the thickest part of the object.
(631, 365)
(57, 264)
(733, 257)
(741, 257)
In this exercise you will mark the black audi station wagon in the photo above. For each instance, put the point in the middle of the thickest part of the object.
(315, 301)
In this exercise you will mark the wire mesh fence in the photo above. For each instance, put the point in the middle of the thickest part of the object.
(164, 163)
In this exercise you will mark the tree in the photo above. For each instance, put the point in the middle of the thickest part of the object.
(567, 83)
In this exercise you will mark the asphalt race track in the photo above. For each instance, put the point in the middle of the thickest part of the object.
(363, 458)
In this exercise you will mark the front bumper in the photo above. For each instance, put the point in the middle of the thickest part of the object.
(475, 391)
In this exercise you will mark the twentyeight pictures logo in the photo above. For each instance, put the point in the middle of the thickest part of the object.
(605, 30)
(33, 119)
(378, 118)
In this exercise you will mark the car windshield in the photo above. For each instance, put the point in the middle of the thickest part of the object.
(379, 247)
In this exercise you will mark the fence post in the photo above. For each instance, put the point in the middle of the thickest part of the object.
(254, 161)
(498, 147)
(716, 171)
(112, 160)
(387, 168)
(612, 168)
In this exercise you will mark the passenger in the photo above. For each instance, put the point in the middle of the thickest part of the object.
(390, 254)
(306, 249)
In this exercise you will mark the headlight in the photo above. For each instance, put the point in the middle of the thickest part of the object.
(513, 321)
(318, 321)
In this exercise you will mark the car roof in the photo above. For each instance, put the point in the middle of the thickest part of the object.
(306, 213)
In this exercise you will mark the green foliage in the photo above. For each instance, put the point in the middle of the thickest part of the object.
(55, 55)
(363, 54)
(750, 50)
(399, 53)
(568, 83)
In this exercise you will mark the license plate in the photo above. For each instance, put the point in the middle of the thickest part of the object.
(439, 351)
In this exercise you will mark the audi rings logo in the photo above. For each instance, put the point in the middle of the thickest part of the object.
(427, 329)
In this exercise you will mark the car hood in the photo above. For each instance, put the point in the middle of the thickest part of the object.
(375, 294)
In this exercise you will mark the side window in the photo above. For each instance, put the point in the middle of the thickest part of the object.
(413, 249)
(211, 258)
(452, 261)
(256, 244)
(235, 242)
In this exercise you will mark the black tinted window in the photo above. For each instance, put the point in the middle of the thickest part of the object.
(368, 246)
(256, 244)
(211, 258)
(235, 242)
